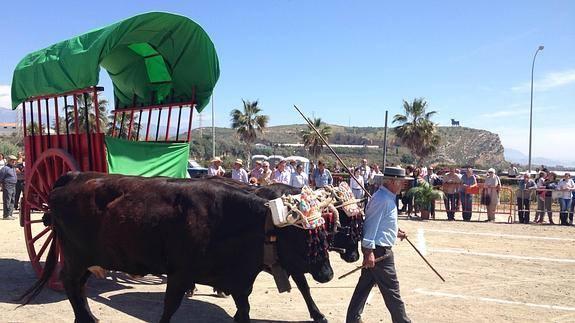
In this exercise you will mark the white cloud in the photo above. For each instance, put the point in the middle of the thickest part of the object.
(5, 98)
(550, 81)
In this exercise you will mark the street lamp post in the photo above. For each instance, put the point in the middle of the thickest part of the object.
(531, 107)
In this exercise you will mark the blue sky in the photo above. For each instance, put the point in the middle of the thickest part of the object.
(349, 61)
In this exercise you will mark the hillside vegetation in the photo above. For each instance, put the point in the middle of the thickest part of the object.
(459, 145)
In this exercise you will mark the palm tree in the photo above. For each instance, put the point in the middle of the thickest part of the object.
(416, 130)
(85, 100)
(122, 126)
(248, 123)
(312, 141)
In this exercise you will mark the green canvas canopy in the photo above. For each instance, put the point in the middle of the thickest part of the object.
(153, 58)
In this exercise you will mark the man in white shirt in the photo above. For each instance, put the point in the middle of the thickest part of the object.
(365, 170)
(238, 173)
(356, 186)
(299, 179)
(215, 168)
(281, 174)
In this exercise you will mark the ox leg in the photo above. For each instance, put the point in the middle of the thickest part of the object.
(74, 281)
(243, 306)
(303, 287)
(175, 290)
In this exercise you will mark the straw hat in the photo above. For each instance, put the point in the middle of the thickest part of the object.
(390, 173)
(491, 170)
(239, 162)
(216, 159)
(11, 157)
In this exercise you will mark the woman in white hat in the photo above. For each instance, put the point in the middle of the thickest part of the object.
(216, 168)
(238, 172)
(491, 189)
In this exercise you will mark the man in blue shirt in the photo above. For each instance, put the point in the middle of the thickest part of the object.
(380, 232)
(8, 178)
(321, 176)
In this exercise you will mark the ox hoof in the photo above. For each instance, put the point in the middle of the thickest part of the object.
(320, 319)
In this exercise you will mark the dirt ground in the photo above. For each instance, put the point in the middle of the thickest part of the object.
(495, 272)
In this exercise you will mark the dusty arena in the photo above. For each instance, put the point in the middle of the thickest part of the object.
(495, 272)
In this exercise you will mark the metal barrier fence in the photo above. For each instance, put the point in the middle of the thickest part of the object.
(505, 206)
(543, 206)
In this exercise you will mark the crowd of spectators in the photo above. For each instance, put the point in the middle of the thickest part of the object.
(459, 187)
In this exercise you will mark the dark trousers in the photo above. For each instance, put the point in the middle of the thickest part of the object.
(19, 189)
(8, 191)
(523, 210)
(466, 205)
(451, 205)
(407, 202)
(571, 210)
(384, 276)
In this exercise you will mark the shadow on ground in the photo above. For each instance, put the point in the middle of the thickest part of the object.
(18, 276)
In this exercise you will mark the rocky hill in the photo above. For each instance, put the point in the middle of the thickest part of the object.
(459, 145)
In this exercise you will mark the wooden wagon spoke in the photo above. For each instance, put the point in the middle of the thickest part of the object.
(41, 195)
(36, 206)
(39, 235)
(44, 246)
(48, 173)
(43, 185)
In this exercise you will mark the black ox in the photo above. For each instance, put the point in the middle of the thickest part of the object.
(344, 239)
(197, 231)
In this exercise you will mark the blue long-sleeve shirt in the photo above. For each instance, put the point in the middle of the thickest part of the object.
(380, 226)
(8, 175)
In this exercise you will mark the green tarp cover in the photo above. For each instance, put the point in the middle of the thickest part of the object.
(154, 56)
(147, 159)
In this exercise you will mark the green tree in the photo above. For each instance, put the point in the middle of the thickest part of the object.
(416, 130)
(83, 101)
(122, 126)
(248, 123)
(34, 128)
(312, 141)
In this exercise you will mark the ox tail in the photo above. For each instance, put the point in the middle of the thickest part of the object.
(49, 266)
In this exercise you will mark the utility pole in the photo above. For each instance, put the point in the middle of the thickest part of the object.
(385, 143)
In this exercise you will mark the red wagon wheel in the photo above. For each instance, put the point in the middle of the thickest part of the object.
(49, 166)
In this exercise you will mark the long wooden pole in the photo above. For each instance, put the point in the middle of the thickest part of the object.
(364, 189)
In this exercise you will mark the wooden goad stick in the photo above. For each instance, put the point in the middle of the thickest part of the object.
(359, 267)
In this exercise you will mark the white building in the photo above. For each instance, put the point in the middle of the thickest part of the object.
(8, 128)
